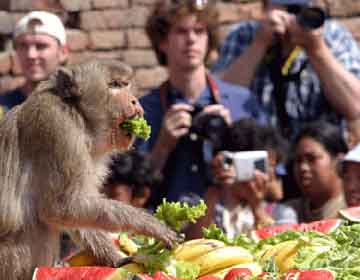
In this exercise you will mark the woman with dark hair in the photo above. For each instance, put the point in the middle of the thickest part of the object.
(317, 149)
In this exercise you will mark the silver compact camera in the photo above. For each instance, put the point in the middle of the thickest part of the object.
(246, 162)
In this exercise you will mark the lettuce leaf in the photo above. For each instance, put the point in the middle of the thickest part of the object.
(138, 127)
(177, 214)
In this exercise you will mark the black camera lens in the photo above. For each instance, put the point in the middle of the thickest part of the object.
(311, 18)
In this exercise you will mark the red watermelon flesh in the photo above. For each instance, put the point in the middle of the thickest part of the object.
(315, 275)
(272, 231)
(352, 214)
(324, 226)
(73, 273)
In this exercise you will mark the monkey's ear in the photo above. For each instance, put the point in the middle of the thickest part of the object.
(65, 83)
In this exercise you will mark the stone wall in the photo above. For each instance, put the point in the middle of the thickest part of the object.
(114, 29)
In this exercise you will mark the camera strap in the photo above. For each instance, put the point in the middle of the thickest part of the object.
(281, 83)
(165, 90)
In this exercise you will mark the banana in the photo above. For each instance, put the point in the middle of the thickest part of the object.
(273, 250)
(285, 259)
(134, 267)
(127, 245)
(82, 258)
(283, 253)
(253, 266)
(221, 258)
(194, 248)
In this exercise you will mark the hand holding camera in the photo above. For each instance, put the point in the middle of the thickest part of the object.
(246, 163)
(294, 20)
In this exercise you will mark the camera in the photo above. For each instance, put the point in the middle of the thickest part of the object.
(246, 162)
(308, 17)
(208, 126)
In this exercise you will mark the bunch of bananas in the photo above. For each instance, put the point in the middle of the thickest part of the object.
(283, 254)
(213, 256)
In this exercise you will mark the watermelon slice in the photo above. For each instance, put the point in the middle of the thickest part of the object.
(351, 214)
(324, 226)
(266, 232)
(318, 274)
(73, 273)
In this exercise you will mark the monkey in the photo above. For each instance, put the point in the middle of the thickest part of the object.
(55, 149)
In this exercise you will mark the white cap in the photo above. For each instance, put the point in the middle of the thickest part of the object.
(50, 24)
(353, 155)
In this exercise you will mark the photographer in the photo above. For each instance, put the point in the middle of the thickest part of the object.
(183, 34)
(319, 82)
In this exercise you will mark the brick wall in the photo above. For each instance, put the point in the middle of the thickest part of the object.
(114, 29)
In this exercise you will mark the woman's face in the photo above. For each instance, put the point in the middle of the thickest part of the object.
(352, 183)
(314, 168)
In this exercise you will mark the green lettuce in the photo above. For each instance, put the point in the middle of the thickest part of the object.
(242, 240)
(177, 214)
(138, 127)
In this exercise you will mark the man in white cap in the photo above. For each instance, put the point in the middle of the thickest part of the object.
(40, 44)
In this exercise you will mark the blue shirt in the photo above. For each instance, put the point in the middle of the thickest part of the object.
(305, 100)
(179, 174)
(11, 99)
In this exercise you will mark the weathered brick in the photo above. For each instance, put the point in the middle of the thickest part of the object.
(107, 54)
(137, 16)
(150, 77)
(143, 2)
(101, 4)
(251, 10)
(106, 39)
(228, 12)
(8, 83)
(77, 39)
(75, 5)
(6, 23)
(354, 26)
(344, 7)
(137, 38)
(5, 5)
(109, 19)
(140, 58)
(78, 57)
(47, 5)
(21, 5)
(5, 63)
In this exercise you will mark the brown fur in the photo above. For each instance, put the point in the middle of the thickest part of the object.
(52, 165)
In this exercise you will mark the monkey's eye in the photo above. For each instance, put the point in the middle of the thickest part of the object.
(118, 84)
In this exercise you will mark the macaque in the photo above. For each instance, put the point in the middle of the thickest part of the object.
(54, 151)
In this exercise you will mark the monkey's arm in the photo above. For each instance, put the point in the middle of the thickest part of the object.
(105, 214)
(101, 245)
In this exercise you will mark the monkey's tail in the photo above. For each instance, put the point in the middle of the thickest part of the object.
(11, 182)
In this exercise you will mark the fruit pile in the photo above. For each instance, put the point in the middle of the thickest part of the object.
(328, 249)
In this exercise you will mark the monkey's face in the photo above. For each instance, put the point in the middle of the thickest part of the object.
(103, 93)
(128, 107)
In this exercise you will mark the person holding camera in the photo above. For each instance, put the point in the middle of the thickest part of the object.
(183, 34)
(246, 188)
(301, 65)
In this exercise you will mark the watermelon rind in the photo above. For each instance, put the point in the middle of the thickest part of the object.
(351, 214)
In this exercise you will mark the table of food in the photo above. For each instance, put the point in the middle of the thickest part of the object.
(327, 249)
